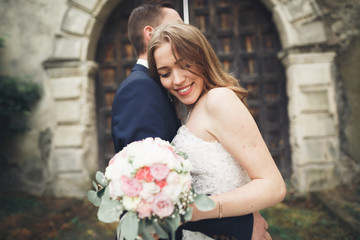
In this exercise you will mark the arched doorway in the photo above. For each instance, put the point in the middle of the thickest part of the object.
(246, 41)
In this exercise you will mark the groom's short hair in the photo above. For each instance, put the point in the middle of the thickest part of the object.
(148, 14)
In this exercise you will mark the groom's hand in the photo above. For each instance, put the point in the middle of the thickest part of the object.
(260, 228)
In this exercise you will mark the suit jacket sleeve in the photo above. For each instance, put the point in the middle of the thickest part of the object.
(239, 228)
(138, 112)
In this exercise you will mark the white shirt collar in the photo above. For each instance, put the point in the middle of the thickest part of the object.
(143, 62)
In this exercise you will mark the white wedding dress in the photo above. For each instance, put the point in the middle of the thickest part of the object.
(214, 169)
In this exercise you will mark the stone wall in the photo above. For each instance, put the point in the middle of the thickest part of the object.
(27, 28)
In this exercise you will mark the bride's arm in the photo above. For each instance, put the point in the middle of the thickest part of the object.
(233, 126)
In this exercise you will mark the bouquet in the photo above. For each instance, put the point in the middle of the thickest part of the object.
(147, 188)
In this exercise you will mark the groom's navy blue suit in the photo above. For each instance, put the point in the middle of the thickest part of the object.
(141, 109)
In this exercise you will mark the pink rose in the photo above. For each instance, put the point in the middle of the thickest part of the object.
(144, 174)
(144, 209)
(159, 171)
(162, 205)
(130, 187)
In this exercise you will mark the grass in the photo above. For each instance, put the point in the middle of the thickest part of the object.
(303, 218)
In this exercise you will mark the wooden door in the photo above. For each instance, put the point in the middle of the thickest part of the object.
(245, 40)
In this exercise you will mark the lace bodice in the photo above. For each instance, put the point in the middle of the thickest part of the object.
(214, 169)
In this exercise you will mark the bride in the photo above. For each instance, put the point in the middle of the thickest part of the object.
(231, 161)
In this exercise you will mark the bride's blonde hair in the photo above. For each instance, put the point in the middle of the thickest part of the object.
(190, 45)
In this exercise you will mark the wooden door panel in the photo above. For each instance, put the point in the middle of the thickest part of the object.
(246, 42)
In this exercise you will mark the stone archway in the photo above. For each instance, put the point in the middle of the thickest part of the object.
(310, 75)
(313, 116)
(71, 70)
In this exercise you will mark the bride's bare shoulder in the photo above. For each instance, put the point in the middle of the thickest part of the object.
(221, 99)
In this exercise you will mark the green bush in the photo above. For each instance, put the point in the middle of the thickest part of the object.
(16, 99)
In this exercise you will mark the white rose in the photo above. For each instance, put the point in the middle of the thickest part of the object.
(130, 203)
(186, 165)
(150, 153)
(148, 191)
(172, 191)
(115, 189)
(185, 180)
(173, 179)
(118, 169)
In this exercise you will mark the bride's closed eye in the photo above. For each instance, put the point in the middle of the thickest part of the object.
(165, 75)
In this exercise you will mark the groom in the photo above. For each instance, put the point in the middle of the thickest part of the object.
(142, 108)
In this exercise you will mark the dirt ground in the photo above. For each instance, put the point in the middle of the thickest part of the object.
(24, 217)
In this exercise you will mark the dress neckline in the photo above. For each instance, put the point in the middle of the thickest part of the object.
(198, 138)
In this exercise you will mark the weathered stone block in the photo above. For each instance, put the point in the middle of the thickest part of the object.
(65, 88)
(315, 126)
(317, 151)
(298, 10)
(69, 136)
(311, 33)
(314, 177)
(74, 184)
(67, 48)
(297, 23)
(76, 21)
(68, 111)
(310, 74)
(315, 100)
(68, 159)
(309, 58)
(86, 4)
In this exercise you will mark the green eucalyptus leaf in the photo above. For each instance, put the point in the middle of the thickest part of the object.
(130, 225)
(159, 230)
(188, 214)
(109, 210)
(173, 224)
(93, 198)
(164, 226)
(204, 203)
(118, 229)
(171, 227)
(95, 186)
(176, 220)
(144, 230)
(100, 177)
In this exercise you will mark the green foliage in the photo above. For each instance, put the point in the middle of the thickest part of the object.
(16, 99)
(204, 203)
